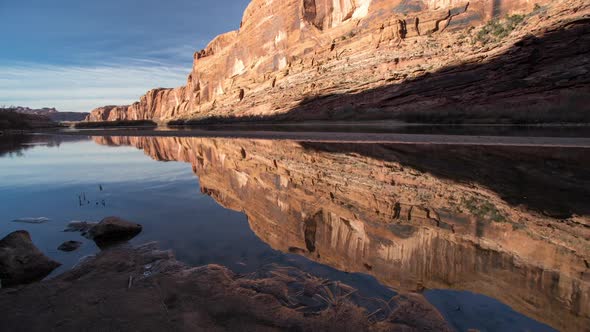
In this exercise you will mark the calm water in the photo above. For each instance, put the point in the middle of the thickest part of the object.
(382, 218)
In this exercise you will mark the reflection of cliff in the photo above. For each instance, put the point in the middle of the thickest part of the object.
(400, 223)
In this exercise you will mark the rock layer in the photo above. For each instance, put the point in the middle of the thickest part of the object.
(413, 216)
(325, 59)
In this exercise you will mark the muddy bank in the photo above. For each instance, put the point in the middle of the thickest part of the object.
(348, 137)
(144, 288)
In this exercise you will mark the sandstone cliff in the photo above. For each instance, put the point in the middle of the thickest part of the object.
(403, 59)
(413, 216)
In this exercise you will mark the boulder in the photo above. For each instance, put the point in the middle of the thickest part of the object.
(21, 262)
(69, 246)
(113, 229)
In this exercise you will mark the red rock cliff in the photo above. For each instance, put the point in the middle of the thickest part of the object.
(301, 59)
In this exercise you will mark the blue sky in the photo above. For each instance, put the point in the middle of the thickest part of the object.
(78, 55)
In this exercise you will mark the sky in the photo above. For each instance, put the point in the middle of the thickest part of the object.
(76, 55)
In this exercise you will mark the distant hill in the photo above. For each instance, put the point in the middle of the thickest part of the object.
(51, 113)
(10, 119)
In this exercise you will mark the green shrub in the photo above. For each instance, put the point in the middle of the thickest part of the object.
(483, 209)
(496, 30)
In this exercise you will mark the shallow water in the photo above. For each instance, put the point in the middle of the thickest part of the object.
(449, 221)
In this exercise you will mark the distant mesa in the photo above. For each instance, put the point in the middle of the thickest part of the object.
(51, 113)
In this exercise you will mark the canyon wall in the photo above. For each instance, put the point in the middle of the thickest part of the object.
(414, 217)
(324, 59)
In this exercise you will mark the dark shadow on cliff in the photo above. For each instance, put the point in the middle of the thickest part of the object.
(537, 80)
(554, 182)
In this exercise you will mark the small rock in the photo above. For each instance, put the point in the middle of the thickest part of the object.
(21, 262)
(38, 220)
(69, 246)
(113, 229)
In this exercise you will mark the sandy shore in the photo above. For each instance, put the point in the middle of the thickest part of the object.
(348, 137)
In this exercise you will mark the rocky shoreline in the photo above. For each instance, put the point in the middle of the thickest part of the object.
(144, 288)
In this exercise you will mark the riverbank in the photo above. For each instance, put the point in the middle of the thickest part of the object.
(11, 121)
(347, 137)
(147, 289)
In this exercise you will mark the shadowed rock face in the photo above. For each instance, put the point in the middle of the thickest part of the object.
(410, 215)
(290, 52)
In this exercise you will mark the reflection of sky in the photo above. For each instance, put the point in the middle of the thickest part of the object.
(83, 163)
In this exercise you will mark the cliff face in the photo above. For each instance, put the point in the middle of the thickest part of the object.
(383, 56)
(413, 216)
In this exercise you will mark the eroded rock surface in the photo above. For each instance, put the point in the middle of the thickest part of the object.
(145, 289)
(21, 262)
(419, 60)
(481, 219)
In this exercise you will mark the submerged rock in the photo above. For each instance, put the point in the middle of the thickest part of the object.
(69, 246)
(113, 229)
(38, 220)
(80, 226)
(21, 262)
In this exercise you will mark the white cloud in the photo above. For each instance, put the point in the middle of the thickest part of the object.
(82, 88)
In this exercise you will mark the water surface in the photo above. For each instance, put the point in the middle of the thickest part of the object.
(460, 224)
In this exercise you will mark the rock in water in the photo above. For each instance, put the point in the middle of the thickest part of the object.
(69, 246)
(113, 229)
(80, 226)
(38, 220)
(21, 262)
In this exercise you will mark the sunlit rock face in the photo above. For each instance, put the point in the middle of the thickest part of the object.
(498, 221)
(290, 52)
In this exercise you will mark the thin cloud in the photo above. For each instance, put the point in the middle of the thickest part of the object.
(82, 88)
